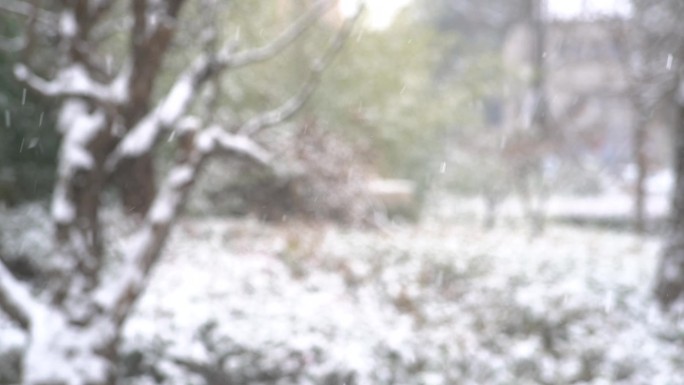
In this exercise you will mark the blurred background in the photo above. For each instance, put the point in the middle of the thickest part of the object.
(474, 193)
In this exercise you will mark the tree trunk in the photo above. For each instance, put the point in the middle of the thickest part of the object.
(136, 183)
(670, 276)
(641, 162)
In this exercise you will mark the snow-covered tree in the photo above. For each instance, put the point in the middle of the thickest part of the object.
(114, 111)
(663, 74)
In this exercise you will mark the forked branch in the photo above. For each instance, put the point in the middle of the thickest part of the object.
(277, 45)
(293, 105)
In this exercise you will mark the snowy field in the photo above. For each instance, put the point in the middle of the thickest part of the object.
(434, 304)
(614, 209)
(442, 302)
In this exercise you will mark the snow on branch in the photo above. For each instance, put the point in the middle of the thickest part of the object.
(215, 139)
(15, 299)
(143, 136)
(144, 247)
(79, 128)
(74, 81)
(277, 45)
(281, 113)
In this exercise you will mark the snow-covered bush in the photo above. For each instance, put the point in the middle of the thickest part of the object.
(432, 305)
(25, 239)
(25, 244)
(248, 303)
(311, 184)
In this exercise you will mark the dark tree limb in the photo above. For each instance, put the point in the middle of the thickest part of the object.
(15, 299)
(293, 105)
(284, 40)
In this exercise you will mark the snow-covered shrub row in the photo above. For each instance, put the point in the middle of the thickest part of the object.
(248, 303)
(25, 238)
(308, 181)
(25, 243)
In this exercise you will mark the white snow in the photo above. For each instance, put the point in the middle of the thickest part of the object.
(166, 204)
(127, 273)
(205, 143)
(62, 208)
(143, 136)
(74, 80)
(440, 302)
(461, 305)
(176, 102)
(67, 24)
(239, 144)
(163, 208)
(61, 352)
(79, 128)
(181, 175)
(189, 124)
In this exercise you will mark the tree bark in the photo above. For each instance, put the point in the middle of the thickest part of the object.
(641, 163)
(670, 276)
(135, 178)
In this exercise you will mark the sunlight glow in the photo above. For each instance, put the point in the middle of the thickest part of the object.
(380, 13)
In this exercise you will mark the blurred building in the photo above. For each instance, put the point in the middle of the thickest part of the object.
(588, 89)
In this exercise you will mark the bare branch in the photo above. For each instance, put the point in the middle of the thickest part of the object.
(282, 113)
(271, 49)
(15, 299)
(24, 9)
(296, 102)
(145, 134)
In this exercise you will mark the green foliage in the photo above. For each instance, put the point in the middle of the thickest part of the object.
(28, 141)
(381, 94)
(386, 93)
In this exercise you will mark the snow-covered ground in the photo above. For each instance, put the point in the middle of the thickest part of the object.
(615, 207)
(441, 302)
(435, 304)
